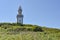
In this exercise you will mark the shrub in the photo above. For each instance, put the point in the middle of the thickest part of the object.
(17, 24)
(38, 29)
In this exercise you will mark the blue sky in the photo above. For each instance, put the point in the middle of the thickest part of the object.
(38, 12)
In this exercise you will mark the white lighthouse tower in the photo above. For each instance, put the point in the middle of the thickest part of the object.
(20, 16)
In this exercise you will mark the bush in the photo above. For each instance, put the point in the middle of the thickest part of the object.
(17, 24)
(38, 29)
(28, 25)
(5, 26)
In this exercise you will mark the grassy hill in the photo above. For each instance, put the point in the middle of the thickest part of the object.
(14, 31)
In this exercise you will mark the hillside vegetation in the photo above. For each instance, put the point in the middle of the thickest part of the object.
(14, 31)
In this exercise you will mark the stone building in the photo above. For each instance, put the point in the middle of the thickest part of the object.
(20, 16)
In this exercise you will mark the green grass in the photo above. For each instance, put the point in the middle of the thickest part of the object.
(30, 36)
(9, 31)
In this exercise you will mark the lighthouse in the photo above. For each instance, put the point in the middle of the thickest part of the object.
(20, 16)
